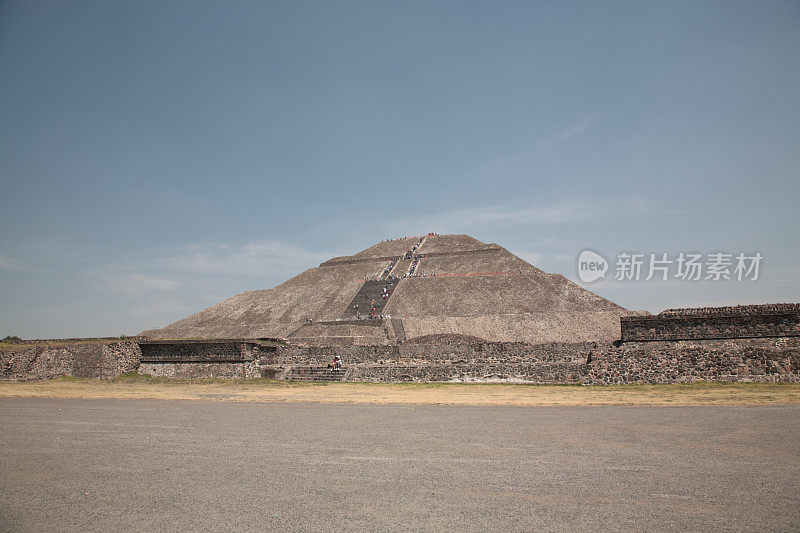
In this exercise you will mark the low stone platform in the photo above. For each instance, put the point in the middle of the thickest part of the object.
(764, 347)
(315, 373)
(710, 323)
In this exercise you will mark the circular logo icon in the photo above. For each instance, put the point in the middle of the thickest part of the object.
(591, 266)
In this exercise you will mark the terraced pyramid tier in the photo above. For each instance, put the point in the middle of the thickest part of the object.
(435, 285)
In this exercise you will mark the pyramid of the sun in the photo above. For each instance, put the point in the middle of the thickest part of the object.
(437, 287)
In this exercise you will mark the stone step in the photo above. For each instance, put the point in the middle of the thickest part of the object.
(371, 290)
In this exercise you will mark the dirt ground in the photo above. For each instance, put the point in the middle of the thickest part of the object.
(138, 387)
(176, 465)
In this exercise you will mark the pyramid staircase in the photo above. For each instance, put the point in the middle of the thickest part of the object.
(371, 290)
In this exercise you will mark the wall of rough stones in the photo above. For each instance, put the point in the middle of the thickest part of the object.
(759, 359)
(494, 352)
(86, 360)
(244, 370)
(561, 373)
(750, 360)
(81, 340)
(733, 310)
(119, 358)
(769, 359)
(233, 350)
(547, 363)
(674, 325)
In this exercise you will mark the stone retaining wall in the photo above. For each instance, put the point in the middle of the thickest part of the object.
(733, 310)
(561, 373)
(88, 360)
(675, 326)
(228, 351)
(81, 340)
(773, 360)
(764, 359)
(244, 370)
(490, 352)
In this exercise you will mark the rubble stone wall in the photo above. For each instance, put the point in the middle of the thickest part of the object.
(86, 360)
(560, 373)
(774, 359)
(196, 352)
(490, 352)
(767, 359)
(244, 370)
(754, 360)
(676, 326)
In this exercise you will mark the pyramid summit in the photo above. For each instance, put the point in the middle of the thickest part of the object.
(412, 289)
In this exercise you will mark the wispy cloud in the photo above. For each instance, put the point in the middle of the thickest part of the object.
(574, 131)
(137, 283)
(8, 263)
(260, 258)
(525, 158)
(475, 218)
(50, 256)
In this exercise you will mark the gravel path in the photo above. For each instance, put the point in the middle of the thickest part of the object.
(72, 465)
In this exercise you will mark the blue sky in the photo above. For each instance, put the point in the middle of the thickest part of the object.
(158, 157)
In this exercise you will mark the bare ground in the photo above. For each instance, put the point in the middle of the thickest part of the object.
(141, 387)
(166, 465)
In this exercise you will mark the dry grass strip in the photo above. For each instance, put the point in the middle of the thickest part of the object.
(141, 387)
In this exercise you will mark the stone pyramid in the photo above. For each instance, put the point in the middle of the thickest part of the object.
(432, 288)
